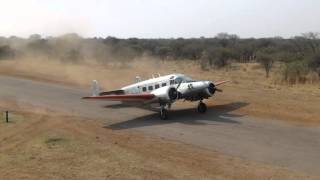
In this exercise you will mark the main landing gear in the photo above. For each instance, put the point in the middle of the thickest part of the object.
(202, 107)
(163, 113)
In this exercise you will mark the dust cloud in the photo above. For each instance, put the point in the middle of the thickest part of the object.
(73, 60)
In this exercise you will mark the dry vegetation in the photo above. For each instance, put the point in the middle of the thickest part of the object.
(265, 98)
(41, 144)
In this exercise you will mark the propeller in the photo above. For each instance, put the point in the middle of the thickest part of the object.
(212, 88)
(173, 93)
(179, 80)
(179, 95)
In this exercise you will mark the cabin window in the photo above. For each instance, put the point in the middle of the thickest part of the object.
(144, 89)
(171, 82)
(150, 88)
(163, 84)
(156, 86)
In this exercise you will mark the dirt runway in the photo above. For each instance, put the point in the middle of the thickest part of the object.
(268, 141)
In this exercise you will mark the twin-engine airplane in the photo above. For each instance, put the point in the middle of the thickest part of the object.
(160, 92)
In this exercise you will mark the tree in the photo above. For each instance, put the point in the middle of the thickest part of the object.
(311, 39)
(192, 50)
(295, 72)
(6, 52)
(73, 56)
(163, 52)
(204, 61)
(265, 58)
(314, 63)
(266, 62)
(226, 39)
(35, 37)
(219, 57)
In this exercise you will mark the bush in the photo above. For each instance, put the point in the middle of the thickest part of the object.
(266, 58)
(219, 57)
(295, 72)
(314, 63)
(6, 52)
(204, 61)
(266, 61)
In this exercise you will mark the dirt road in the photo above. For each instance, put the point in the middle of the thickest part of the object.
(267, 141)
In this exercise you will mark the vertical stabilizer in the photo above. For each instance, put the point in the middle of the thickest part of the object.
(95, 88)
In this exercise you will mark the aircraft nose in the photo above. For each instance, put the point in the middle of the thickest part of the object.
(208, 83)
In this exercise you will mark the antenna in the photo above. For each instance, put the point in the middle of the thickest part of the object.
(138, 79)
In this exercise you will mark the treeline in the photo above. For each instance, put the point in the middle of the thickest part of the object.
(299, 56)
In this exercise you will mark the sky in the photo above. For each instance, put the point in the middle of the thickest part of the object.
(159, 18)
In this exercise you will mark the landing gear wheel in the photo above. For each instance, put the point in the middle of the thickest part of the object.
(163, 114)
(202, 107)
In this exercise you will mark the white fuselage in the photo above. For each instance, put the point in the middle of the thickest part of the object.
(189, 88)
(149, 85)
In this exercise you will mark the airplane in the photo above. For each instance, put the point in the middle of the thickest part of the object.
(160, 92)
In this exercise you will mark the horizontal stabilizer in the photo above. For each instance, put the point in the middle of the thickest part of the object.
(116, 92)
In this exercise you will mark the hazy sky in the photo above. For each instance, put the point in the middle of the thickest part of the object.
(159, 18)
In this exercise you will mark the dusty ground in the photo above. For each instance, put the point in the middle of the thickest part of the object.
(265, 98)
(43, 144)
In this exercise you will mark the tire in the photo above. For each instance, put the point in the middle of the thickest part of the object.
(163, 114)
(202, 108)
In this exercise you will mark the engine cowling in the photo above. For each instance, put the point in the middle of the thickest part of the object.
(172, 93)
(166, 94)
(211, 89)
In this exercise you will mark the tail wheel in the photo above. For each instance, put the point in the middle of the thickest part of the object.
(163, 114)
(202, 107)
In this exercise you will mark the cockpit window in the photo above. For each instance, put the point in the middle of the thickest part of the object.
(181, 79)
(178, 80)
(171, 82)
(187, 79)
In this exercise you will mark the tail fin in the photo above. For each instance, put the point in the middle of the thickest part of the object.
(95, 88)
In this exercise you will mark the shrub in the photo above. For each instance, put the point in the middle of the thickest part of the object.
(295, 72)
(219, 57)
(6, 52)
(314, 63)
(266, 58)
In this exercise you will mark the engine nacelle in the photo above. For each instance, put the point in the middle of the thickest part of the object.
(166, 94)
(211, 89)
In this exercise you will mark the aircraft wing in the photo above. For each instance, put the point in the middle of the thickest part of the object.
(117, 95)
(123, 97)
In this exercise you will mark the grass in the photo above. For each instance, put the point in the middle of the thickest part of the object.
(55, 140)
(13, 118)
(52, 146)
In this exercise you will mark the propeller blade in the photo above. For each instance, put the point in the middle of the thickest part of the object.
(179, 85)
(180, 81)
(219, 90)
